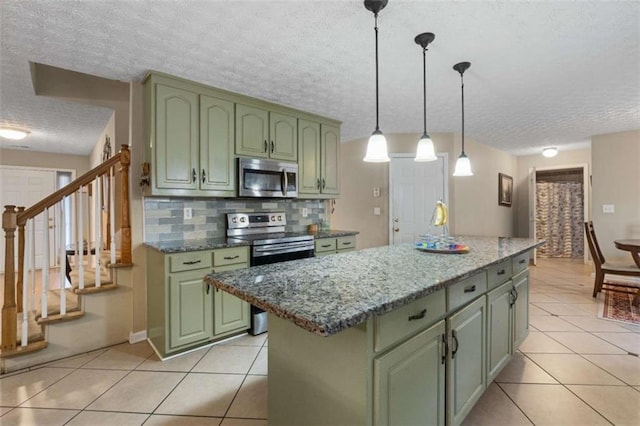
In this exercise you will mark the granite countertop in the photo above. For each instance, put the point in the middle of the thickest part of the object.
(328, 294)
(181, 246)
(332, 233)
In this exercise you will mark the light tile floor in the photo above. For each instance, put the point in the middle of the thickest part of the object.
(574, 369)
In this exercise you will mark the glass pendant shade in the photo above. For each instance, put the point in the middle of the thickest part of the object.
(425, 151)
(377, 148)
(463, 166)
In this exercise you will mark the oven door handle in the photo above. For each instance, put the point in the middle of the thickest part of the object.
(282, 247)
(285, 184)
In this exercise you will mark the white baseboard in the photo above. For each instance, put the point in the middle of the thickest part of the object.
(138, 336)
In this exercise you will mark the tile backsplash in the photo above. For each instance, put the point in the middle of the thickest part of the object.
(164, 217)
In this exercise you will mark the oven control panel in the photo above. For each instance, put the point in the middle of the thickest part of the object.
(255, 220)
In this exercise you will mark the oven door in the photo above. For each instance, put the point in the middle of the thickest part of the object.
(265, 178)
(264, 255)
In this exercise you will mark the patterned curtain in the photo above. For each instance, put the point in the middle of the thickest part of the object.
(559, 219)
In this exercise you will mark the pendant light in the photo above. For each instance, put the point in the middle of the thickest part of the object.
(377, 146)
(463, 165)
(425, 151)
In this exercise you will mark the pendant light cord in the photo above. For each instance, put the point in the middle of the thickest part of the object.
(424, 87)
(462, 81)
(377, 106)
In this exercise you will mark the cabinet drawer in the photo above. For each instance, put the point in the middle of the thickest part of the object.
(499, 273)
(345, 243)
(325, 244)
(520, 262)
(230, 256)
(403, 322)
(466, 290)
(189, 261)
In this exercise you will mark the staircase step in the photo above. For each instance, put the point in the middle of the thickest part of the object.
(20, 350)
(70, 315)
(90, 289)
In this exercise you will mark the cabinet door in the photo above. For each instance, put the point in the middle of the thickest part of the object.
(176, 142)
(409, 382)
(467, 378)
(190, 308)
(252, 131)
(499, 336)
(521, 309)
(217, 140)
(229, 312)
(330, 156)
(309, 154)
(283, 131)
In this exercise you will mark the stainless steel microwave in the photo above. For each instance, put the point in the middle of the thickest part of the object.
(267, 178)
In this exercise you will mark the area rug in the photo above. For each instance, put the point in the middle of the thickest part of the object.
(616, 305)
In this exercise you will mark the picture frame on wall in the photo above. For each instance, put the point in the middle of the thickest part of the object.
(505, 190)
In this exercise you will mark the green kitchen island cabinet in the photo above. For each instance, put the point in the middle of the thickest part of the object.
(383, 336)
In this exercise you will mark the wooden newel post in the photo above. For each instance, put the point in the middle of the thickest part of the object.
(9, 314)
(21, 245)
(125, 230)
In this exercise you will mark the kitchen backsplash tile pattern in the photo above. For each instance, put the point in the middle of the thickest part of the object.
(164, 217)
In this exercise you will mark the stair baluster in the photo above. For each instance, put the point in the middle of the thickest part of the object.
(98, 231)
(46, 264)
(62, 257)
(80, 239)
(112, 222)
(25, 286)
(32, 281)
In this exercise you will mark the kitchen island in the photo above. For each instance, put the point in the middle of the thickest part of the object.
(371, 337)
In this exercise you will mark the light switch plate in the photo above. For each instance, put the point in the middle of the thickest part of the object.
(188, 213)
(376, 211)
(305, 212)
(608, 208)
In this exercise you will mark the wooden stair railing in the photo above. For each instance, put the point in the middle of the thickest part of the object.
(17, 218)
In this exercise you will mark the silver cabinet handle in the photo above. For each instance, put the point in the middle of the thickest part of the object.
(318, 183)
(204, 176)
(346, 243)
(231, 257)
(470, 289)
(273, 147)
(191, 262)
(522, 261)
(455, 340)
(193, 175)
(265, 145)
(325, 245)
(324, 183)
(502, 272)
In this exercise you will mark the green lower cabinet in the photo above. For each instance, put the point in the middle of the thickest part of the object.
(521, 308)
(466, 373)
(409, 381)
(190, 309)
(499, 336)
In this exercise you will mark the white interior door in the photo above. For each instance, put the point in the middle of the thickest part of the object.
(532, 209)
(415, 188)
(25, 187)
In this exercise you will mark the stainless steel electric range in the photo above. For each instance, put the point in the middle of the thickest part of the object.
(270, 243)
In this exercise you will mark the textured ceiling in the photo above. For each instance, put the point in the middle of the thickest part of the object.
(543, 73)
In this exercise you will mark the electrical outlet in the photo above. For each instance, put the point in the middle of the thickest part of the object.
(376, 191)
(608, 208)
(305, 212)
(188, 213)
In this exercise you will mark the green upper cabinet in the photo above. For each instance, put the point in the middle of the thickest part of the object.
(176, 137)
(309, 150)
(252, 131)
(191, 138)
(265, 134)
(319, 160)
(217, 135)
(330, 159)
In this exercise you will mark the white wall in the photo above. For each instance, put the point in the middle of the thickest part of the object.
(473, 201)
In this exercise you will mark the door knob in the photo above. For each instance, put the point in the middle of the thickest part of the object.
(396, 229)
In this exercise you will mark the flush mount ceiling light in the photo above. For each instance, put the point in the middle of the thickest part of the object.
(377, 146)
(13, 133)
(463, 165)
(425, 151)
(551, 151)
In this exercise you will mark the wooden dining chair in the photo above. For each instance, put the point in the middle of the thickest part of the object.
(603, 267)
